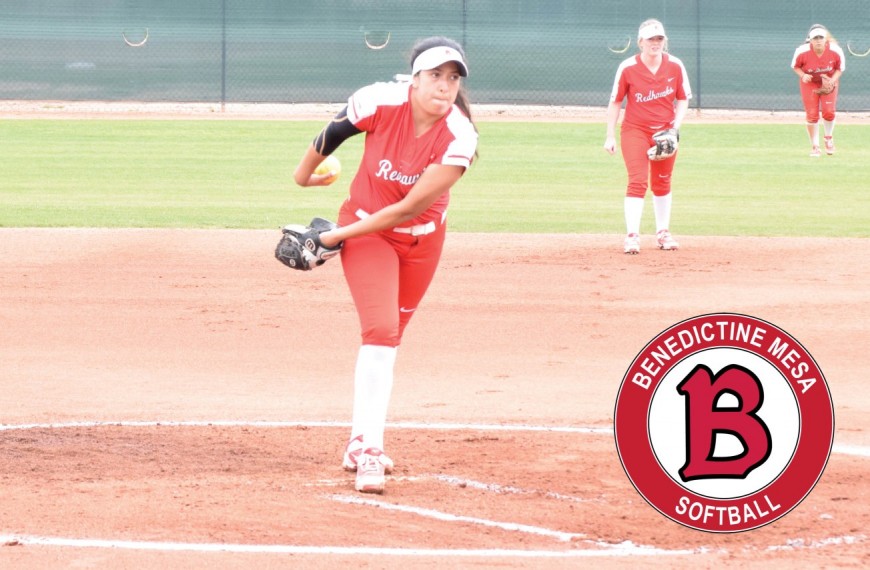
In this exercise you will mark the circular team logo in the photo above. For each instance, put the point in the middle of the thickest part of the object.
(724, 423)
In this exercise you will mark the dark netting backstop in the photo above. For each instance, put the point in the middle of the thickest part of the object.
(547, 52)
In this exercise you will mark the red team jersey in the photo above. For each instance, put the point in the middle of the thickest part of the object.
(651, 96)
(394, 159)
(830, 61)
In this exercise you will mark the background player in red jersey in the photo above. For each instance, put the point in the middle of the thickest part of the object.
(819, 62)
(419, 141)
(656, 89)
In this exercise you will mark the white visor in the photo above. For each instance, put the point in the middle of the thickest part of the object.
(433, 57)
(651, 30)
(818, 31)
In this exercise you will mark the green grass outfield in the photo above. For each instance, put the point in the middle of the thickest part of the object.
(530, 178)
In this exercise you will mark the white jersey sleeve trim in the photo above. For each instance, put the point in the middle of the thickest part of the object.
(461, 150)
(839, 51)
(686, 87)
(619, 70)
(803, 48)
(366, 100)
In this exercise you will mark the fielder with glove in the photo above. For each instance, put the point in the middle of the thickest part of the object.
(819, 62)
(300, 246)
(655, 88)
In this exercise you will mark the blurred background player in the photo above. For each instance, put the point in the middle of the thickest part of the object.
(419, 142)
(656, 89)
(819, 62)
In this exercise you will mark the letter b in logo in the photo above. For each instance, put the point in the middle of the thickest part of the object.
(707, 417)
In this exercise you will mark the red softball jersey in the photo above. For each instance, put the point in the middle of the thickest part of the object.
(394, 158)
(830, 61)
(650, 96)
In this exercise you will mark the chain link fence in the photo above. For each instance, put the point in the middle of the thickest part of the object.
(538, 52)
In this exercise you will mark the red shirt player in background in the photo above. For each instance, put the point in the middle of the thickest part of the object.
(656, 89)
(819, 62)
(419, 142)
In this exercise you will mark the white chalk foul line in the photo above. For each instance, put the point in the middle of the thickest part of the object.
(507, 489)
(851, 450)
(457, 481)
(856, 450)
(623, 549)
(285, 424)
(442, 516)
(799, 543)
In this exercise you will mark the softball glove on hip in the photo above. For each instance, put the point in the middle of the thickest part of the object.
(828, 86)
(300, 246)
(666, 143)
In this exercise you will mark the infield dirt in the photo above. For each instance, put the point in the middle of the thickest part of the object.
(140, 325)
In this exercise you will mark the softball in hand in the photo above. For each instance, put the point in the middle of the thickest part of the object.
(329, 165)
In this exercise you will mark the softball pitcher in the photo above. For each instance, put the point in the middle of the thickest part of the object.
(656, 89)
(420, 140)
(819, 62)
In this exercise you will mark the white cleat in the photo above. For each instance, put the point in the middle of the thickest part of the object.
(354, 450)
(370, 474)
(631, 245)
(666, 241)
